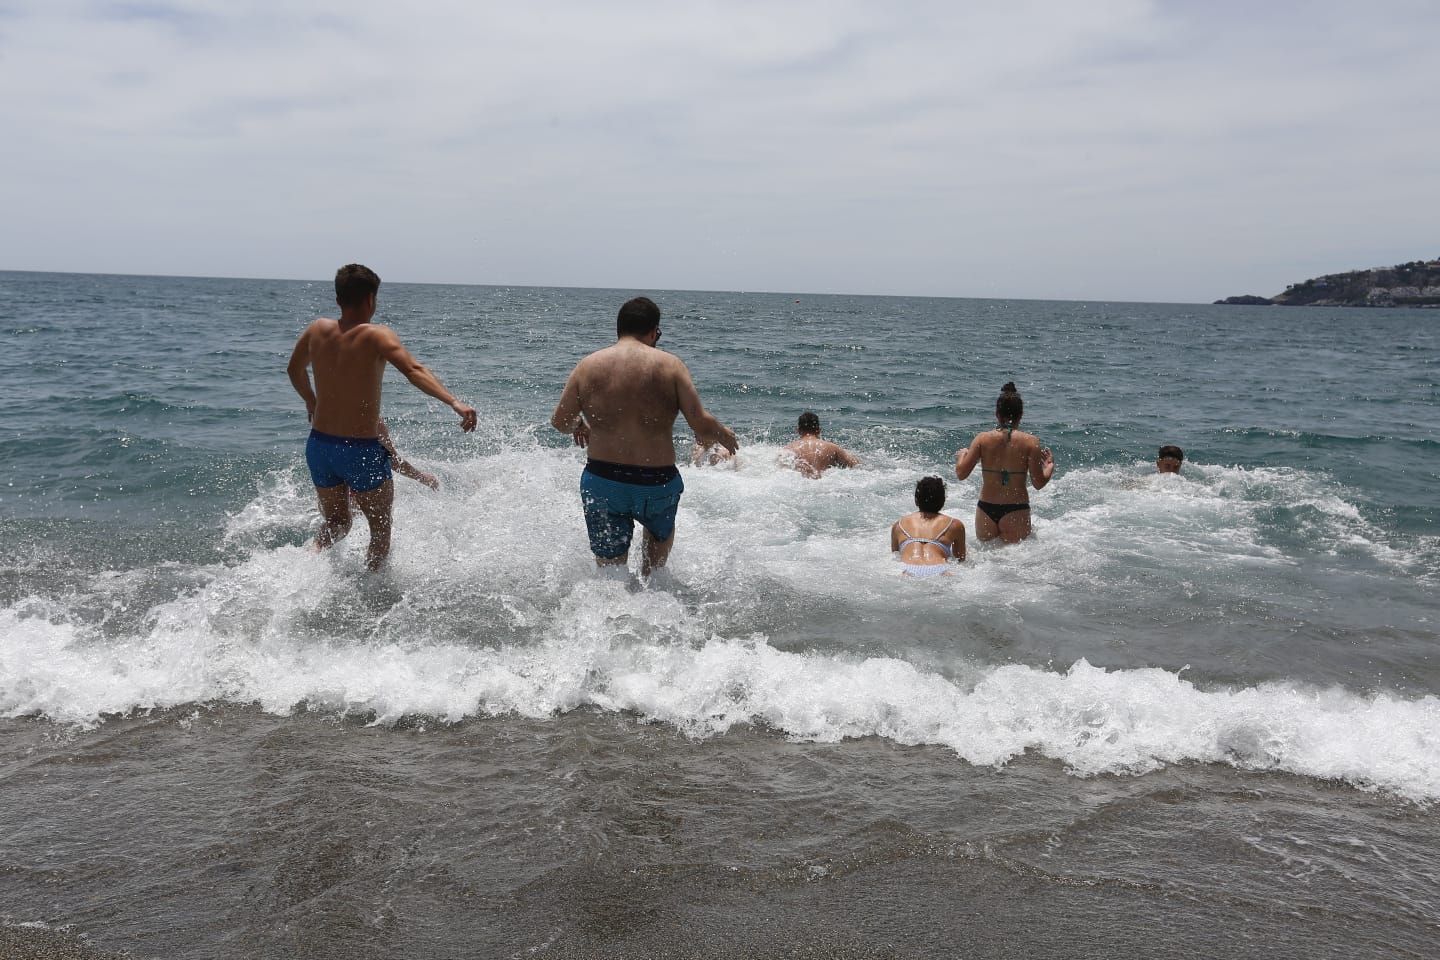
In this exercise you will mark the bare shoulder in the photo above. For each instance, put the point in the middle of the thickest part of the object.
(596, 361)
(378, 333)
(673, 364)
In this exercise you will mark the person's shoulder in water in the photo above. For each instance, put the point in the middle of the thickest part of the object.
(811, 454)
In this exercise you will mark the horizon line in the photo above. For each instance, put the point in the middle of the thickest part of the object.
(560, 286)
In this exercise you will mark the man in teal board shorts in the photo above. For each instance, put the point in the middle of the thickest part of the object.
(621, 402)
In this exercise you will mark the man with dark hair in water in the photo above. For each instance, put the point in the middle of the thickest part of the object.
(621, 403)
(811, 455)
(345, 452)
(1170, 459)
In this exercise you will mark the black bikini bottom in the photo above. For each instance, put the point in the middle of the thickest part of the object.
(997, 510)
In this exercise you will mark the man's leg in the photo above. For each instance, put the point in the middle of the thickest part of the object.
(335, 512)
(655, 553)
(659, 508)
(376, 505)
(609, 532)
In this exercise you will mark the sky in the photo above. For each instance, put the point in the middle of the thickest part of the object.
(1133, 150)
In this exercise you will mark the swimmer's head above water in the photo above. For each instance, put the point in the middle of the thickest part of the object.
(1170, 459)
(930, 494)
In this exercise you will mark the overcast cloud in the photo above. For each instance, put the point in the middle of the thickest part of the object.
(1106, 149)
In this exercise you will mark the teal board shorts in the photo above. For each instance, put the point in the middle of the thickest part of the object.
(362, 463)
(616, 496)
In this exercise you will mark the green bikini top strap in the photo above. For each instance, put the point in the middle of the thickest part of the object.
(1004, 474)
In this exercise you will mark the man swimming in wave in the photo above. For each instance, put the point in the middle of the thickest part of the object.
(811, 455)
(345, 452)
(621, 403)
(1169, 459)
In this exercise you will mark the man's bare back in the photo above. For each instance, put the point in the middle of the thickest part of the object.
(621, 403)
(348, 366)
(813, 456)
(349, 357)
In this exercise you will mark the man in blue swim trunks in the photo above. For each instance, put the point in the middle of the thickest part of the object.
(345, 452)
(621, 402)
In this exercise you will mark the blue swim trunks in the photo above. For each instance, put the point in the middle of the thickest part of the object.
(361, 462)
(616, 496)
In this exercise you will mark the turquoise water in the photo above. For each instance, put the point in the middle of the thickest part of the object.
(1270, 611)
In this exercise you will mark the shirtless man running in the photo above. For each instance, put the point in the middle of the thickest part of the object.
(345, 451)
(811, 455)
(621, 402)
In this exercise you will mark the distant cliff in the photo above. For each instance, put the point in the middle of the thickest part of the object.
(1414, 284)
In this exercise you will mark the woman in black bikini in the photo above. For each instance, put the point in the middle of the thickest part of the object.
(1006, 457)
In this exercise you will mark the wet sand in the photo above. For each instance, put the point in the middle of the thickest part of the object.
(228, 834)
(36, 943)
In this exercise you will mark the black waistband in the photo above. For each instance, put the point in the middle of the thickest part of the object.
(345, 441)
(629, 473)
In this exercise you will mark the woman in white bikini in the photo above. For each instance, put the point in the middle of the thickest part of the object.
(927, 539)
(1006, 457)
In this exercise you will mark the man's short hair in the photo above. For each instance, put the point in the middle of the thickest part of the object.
(354, 284)
(930, 494)
(809, 423)
(1170, 450)
(637, 317)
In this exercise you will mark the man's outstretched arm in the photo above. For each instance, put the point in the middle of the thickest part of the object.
(707, 428)
(426, 382)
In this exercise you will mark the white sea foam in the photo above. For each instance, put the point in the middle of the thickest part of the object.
(641, 652)
(492, 606)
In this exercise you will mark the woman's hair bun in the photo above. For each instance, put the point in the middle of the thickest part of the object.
(1009, 388)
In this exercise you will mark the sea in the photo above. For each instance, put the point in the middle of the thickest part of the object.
(1196, 715)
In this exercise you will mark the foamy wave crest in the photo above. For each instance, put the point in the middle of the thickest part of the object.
(645, 653)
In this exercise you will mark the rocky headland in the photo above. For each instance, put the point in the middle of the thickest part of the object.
(1413, 284)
